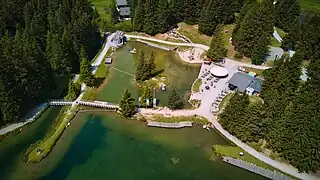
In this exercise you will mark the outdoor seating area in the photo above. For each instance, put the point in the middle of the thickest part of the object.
(208, 79)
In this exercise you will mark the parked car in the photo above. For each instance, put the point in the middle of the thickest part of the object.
(241, 68)
(207, 88)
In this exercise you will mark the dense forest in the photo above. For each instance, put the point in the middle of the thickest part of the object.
(288, 116)
(40, 41)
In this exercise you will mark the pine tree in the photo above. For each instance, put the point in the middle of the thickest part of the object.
(207, 21)
(214, 13)
(175, 101)
(146, 93)
(177, 8)
(73, 91)
(127, 107)
(150, 18)
(217, 49)
(138, 19)
(293, 36)
(162, 15)
(260, 49)
(85, 68)
(258, 21)
(286, 13)
(140, 67)
(191, 11)
(151, 66)
(233, 116)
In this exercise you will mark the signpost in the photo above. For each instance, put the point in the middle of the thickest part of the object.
(154, 98)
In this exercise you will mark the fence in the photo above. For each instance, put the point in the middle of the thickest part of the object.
(256, 169)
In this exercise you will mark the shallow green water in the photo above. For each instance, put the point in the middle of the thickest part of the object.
(180, 74)
(12, 148)
(109, 147)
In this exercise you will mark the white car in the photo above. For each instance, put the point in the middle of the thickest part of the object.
(241, 68)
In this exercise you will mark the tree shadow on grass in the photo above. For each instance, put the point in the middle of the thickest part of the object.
(81, 148)
(156, 73)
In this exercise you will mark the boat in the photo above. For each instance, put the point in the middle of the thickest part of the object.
(133, 51)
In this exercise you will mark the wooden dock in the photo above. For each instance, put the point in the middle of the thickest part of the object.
(154, 45)
(170, 125)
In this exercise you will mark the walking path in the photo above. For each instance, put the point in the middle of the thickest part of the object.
(201, 46)
(95, 64)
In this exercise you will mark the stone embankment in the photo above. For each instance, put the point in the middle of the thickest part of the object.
(170, 125)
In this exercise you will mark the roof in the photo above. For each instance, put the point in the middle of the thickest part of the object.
(256, 84)
(241, 81)
(124, 11)
(273, 52)
(121, 2)
(219, 71)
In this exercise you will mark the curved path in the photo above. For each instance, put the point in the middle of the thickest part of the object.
(204, 110)
(201, 46)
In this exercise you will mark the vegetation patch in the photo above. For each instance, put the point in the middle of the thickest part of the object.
(192, 32)
(195, 102)
(196, 85)
(257, 71)
(281, 33)
(225, 101)
(103, 7)
(43, 148)
(310, 5)
(275, 42)
(102, 71)
(254, 99)
(232, 53)
(233, 151)
(194, 119)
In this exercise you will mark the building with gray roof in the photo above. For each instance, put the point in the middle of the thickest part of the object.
(123, 9)
(124, 12)
(122, 3)
(244, 82)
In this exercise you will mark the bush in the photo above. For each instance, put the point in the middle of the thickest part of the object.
(238, 55)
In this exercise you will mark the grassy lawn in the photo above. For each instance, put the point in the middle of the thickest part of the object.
(226, 34)
(197, 119)
(254, 99)
(103, 8)
(178, 75)
(311, 5)
(47, 145)
(275, 42)
(281, 33)
(196, 85)
(192, 32)
(225, 101)
(233, 151)
(257, 71)
(102, 71)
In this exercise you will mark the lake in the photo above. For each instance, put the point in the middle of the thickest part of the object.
(106, 146)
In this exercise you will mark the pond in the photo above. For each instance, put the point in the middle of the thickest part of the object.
(106, 146)
(180, 74)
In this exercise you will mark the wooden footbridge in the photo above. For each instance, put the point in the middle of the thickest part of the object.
(98, 104)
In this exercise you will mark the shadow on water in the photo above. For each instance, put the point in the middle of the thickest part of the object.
(13, 147)
(81, 148)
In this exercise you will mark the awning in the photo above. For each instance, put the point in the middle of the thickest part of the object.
(219, 71)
